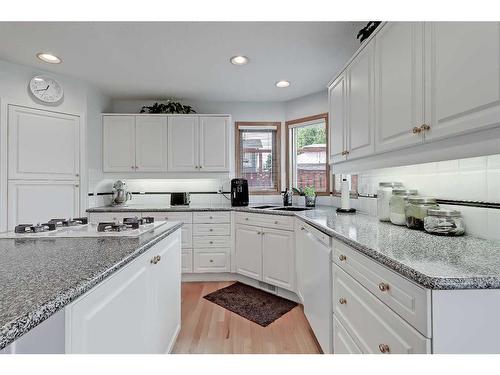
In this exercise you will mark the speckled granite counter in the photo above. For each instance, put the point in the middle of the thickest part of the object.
(434, 262)
(38, 277)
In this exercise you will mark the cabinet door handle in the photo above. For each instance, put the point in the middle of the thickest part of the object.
(199, 166)
(302, 228)
(383, 287)
(416, 130)
(425, 127)
(211, 260)
(276, 222)
(156, 259)
(132, 167)
(342, 257)
(347, 152)
(211, 217)
(211, 230)
(246, 218)
(211, 242)
(342, 301)
(384, 348)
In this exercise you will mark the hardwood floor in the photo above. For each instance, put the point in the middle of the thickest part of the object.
(209, 328)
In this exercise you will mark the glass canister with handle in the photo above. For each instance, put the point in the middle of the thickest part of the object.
(397, 205)
(384, 194)
(416, 210)
(444, 222)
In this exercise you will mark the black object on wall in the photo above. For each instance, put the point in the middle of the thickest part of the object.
(366, 31)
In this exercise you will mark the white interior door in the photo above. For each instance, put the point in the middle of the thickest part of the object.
(360, 137)
(278, 255)
(214, 144)
(248, 248)
(183, 144)
(43, 144)
(151, 143)
(118, 143)
(31, 202)
(463, 77)
(399, 79)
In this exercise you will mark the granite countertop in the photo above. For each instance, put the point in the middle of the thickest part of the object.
(434, 262)
(40, 276)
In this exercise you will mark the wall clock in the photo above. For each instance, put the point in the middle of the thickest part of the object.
(46, 89)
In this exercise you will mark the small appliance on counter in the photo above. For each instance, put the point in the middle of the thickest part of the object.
(120, 193)
(288, 197)
(180, 199)
(239, 192)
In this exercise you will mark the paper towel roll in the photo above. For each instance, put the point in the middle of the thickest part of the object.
(344, 193)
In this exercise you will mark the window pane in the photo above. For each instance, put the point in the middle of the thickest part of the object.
(310, 157)
(258, 158)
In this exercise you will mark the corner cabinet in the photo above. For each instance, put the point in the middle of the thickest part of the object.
(414, 83)
(166, 143)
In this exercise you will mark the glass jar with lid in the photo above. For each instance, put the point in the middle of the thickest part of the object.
(444, 222)
(397, 205)
(384, 194)
(416, 210)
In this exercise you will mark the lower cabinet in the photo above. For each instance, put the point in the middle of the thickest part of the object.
(211, 260)
(136, 310)
(266, 254)
(373, 326)
(342, 341)
(187, 260)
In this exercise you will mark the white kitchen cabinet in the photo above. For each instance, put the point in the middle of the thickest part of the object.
(342, 341)
(38, 201)
(248, 249)
(399, 85)
(278, 258)
(144, 297)
(463, 77)
(211, 260)
(214, 143)
(337, 119)
(372, 325)
(43, 145)
(299, 263)
(183, 150)
(360, 124)
(150, 144)
(118, 143)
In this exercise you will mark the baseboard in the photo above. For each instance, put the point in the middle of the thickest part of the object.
(226, 276)
(174, 339)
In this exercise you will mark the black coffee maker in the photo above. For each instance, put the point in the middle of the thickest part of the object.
(239, 192)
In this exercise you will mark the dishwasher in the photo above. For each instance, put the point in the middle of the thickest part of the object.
(316, 279)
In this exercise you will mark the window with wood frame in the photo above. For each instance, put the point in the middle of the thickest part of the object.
(258, 155)
(307, 153)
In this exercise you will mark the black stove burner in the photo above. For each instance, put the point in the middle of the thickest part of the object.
(69, 222)
(30, 228)
(139, 221)
(112, 227)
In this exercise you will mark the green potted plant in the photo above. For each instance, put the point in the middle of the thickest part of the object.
(309, 193)
(170, 106)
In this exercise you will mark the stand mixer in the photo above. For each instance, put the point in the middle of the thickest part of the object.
(120, 193)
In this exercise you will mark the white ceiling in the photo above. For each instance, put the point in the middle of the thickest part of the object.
(149, 60)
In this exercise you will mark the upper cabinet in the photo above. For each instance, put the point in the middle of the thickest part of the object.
(399, 83)
(463, 70)
(166, 143)
(413, 83)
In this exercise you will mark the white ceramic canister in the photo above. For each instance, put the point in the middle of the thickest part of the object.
(384, 194)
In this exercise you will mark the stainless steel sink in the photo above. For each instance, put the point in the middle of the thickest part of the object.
(291, 208)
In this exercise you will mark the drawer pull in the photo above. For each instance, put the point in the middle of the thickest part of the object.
(211, 217)
(211, 230)
(155, 259)
(246, 218)
(342, 301)
(383, 287)
(166, 217)
(302, 228)
(384, 348)
(211, 242)
(276, 222)
(342, 257)
(211, 260)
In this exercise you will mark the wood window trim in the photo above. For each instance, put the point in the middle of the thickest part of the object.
(288, 124)
(237, 124)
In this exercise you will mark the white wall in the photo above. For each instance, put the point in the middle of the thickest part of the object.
(308, 105)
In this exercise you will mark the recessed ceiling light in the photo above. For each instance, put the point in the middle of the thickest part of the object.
(282, 84)
(49, 58)
(239, 60)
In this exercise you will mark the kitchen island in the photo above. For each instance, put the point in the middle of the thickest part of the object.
(51, 282)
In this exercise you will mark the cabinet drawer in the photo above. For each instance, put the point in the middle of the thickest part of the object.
(342, 340)
(265, 220)
(410, 301)
(212, 229)
(320, 236)
(185, 217)
(212, 217)
(373, 326)
(187, 260)
(187, 236)
(212, 241)
(211, 260)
